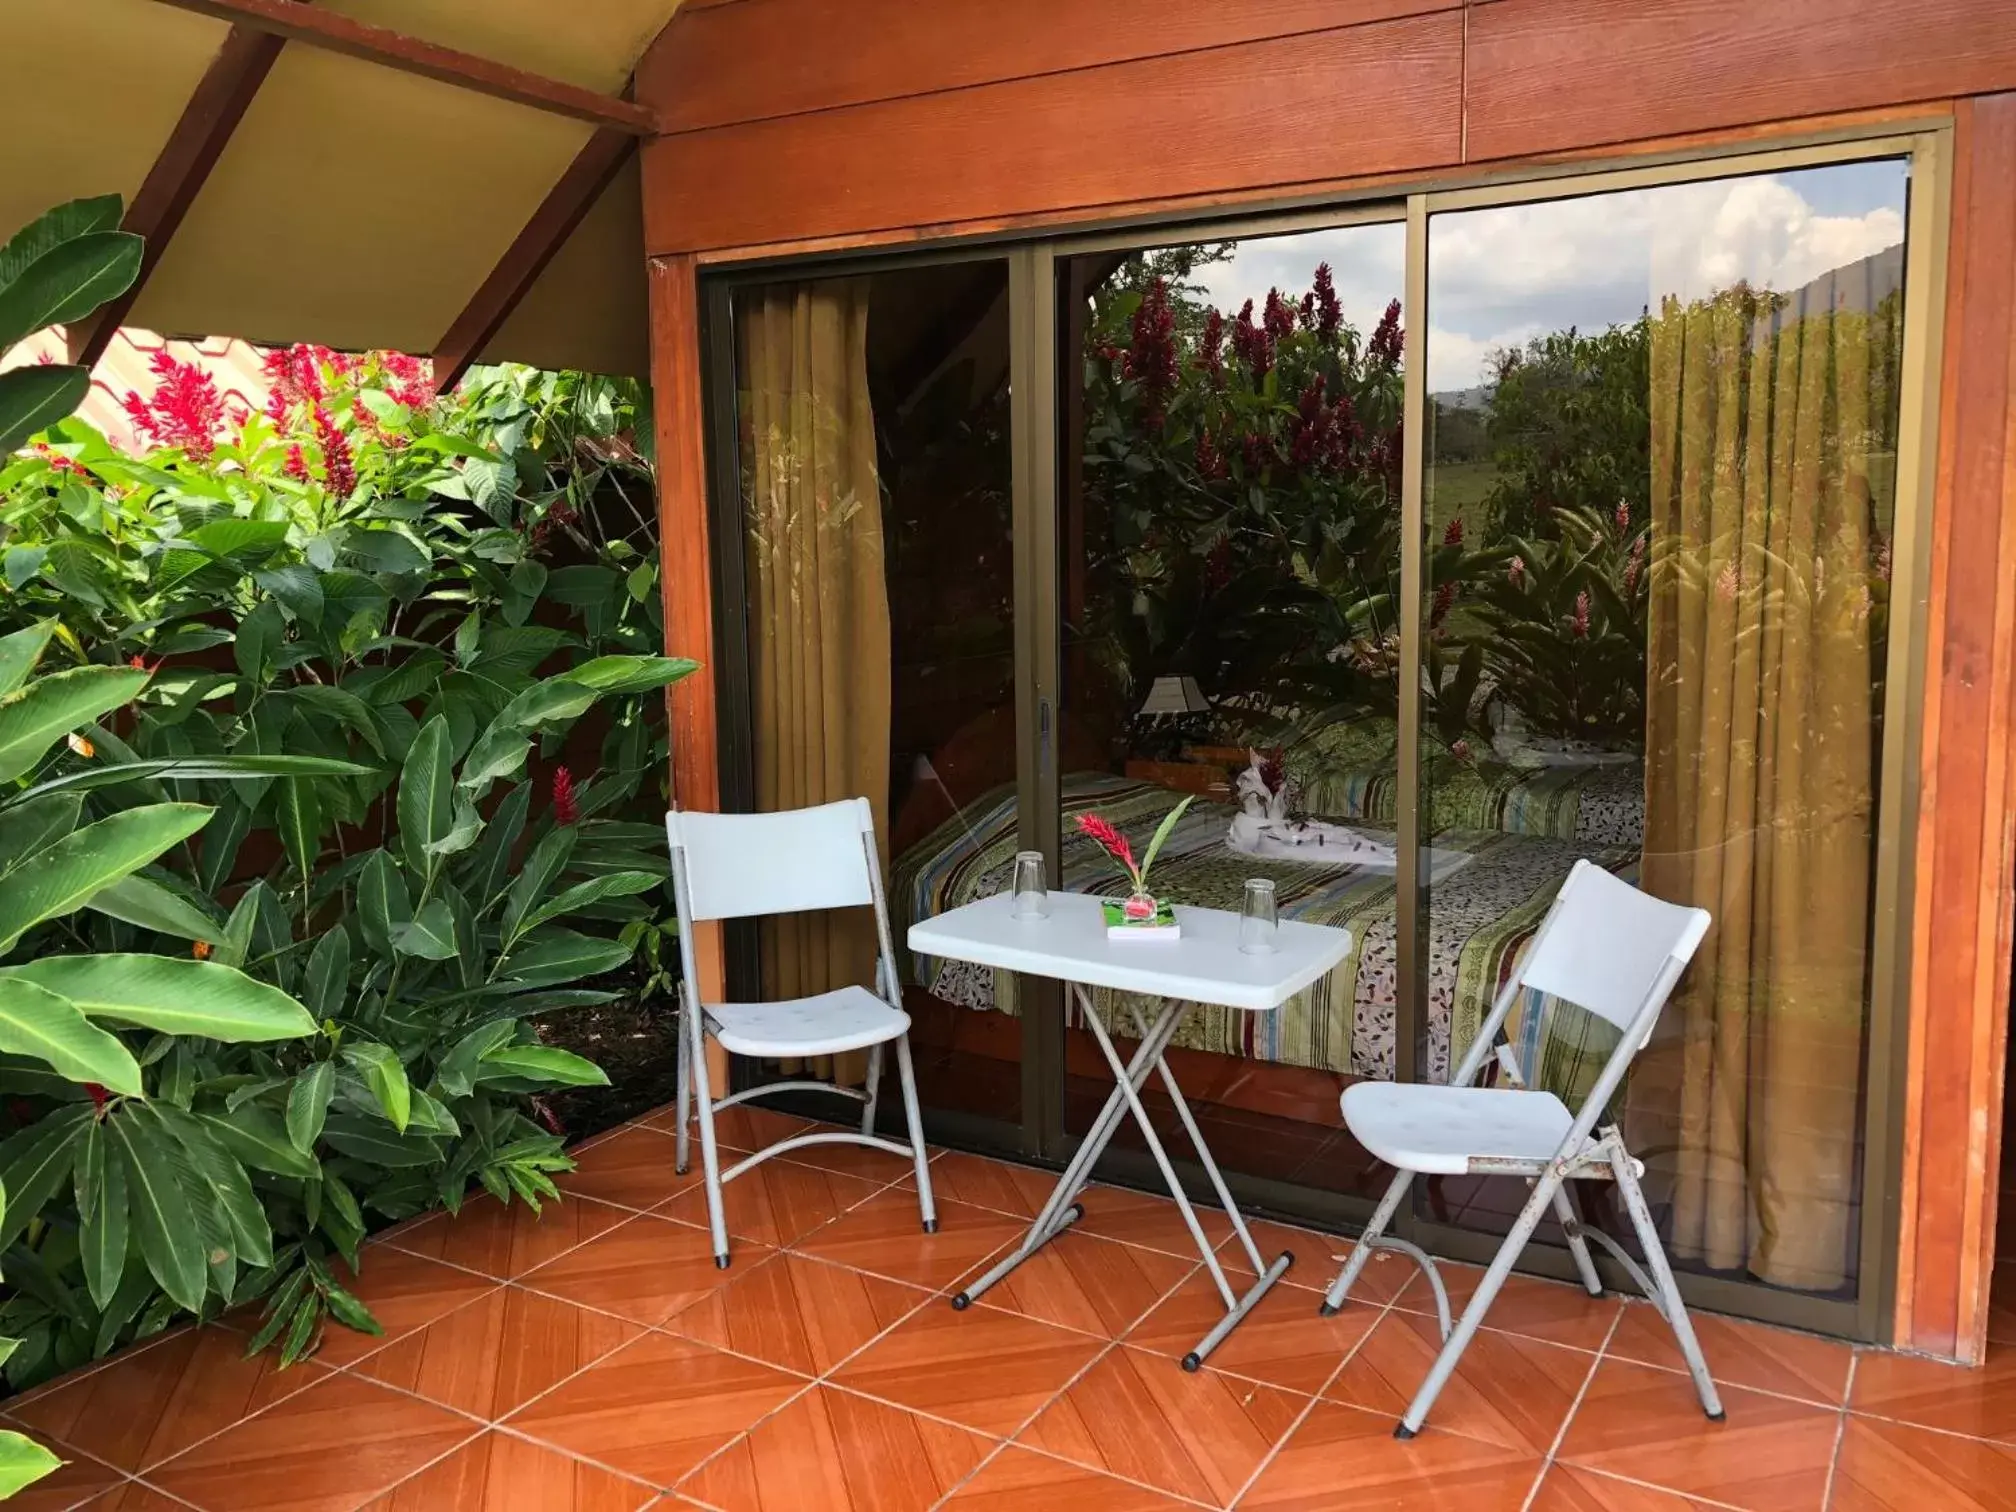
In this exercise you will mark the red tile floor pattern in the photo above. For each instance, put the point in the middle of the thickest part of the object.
(593, 1359)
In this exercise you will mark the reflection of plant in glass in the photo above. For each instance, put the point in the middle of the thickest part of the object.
(1242, 480)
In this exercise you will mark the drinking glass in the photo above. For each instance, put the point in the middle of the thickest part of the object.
(1259, 920)
(1032, 892)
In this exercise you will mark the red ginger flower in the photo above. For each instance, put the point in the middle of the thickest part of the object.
(1211, 347)
(1252, 345)
(1151, 358)
(1102, 833)
(339, 471)
(1329, 313)
(1210, 461)
(566, 809)
(1445, 600)
(185, 411)
(297, 463)
(1279, 317)
(1580, 623)
(1388, 340)
(1453, 536)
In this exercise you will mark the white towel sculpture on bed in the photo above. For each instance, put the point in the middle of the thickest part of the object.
(1262, 828)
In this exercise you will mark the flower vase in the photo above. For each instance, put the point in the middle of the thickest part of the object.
(1139, 907)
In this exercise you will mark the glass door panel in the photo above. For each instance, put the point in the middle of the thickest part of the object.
(1659, 504)
(1229, 453)
(879, 602)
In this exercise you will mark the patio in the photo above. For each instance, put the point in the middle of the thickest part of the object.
(595, 1359)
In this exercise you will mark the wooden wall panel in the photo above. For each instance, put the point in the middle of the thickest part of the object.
(1364, 99)
(1960, 977)
(745, 62)
(1546, 76)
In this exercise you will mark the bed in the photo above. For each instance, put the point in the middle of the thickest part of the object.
(1490, 887)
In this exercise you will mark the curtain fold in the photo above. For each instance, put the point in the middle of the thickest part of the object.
(818, 606)
(1762, 713)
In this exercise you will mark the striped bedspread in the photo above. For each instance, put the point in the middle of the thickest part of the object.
(1490, 891)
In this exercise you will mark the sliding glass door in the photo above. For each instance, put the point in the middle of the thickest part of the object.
(1424, 548)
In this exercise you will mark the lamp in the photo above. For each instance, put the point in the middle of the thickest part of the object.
(1175, 695)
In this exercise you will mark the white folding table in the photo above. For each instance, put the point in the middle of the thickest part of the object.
(1204, 966)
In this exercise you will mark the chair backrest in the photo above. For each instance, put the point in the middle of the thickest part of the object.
(1609, 948)
(740, 865)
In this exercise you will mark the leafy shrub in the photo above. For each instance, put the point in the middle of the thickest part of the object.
(430, 603)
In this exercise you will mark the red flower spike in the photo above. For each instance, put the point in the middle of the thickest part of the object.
(1580, 623)
(1151, 358)
(99, 1096)
(1210, 461)
(339, 472)
(1102, 833)
(1388, 340)
(1329, 313)
(1280, 316)
(1445, 600)
(1453, 536)
(1211, 347)
(566, 810)
(297, 463)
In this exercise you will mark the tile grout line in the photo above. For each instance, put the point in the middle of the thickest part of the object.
(1057, 1396)
(1561, 1433)
(1840, 1432)
(1315, 1399)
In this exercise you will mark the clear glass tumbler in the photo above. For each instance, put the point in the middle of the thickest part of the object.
(1032, 891)
(1259, 918)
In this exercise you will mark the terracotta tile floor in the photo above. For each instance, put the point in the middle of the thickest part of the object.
(595, 1360)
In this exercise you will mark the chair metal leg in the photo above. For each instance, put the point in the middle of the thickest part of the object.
(1480, 1303)
(1354, 1264)
(680, 1150)
(907, 1075)
(710, 1160)
(874, 1089)
(1577, 1245)
(1662, 1278)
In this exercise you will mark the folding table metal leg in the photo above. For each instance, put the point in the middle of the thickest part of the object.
(1062, 1209)
(1236, 1306)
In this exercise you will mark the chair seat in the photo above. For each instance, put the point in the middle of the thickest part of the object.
(1440, 1130)
(847, 1018)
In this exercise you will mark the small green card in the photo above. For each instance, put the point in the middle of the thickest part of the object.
(1164, 916)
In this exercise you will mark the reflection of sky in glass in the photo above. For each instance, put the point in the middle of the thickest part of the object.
(1499, 277)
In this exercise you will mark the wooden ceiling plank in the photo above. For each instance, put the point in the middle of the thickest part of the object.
(296, 21)
(191, 151)
(594, 168)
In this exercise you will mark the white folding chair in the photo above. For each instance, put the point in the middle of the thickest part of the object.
(1608, 948)
(734, 866)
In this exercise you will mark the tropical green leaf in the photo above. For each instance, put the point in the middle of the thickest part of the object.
(37, 1022)
(146, 903)
(32, 399)
(363, 1139)
(22, 1462)
(67, 282)
(541, 867)
(243, 768)
(497, 753)
(584, 894)
(384, 905)
(53, 227)
(545, 1063)
(328, 974)
(555, 699)
(1162, 833)
(34, 717)
(20, 651)
(492, 870)
(632, 674)
(431, 935)
(26, 829)
(456, 1074)
(101, 1216)
(61, 878)
(171, 994)
(300, 825)
(385, 1076)
(554, 955)
(308, 1104)
(219, 1183)
(258, 1139)
(37, 1161)
(163, 1222)
(426, 795)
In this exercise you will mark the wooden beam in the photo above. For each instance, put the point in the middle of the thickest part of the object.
(296, 21)
(197, 141)
(591, 172)
(685, 561)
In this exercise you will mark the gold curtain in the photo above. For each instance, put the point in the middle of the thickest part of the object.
(818, 606)
(1768, 422)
